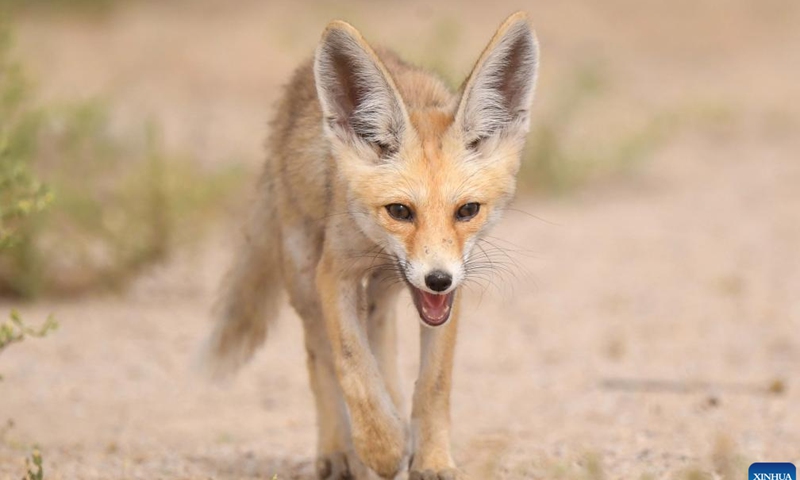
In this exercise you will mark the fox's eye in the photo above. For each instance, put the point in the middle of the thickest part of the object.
(383, 149)
(474, 144)
(400, 212)
(467, 211)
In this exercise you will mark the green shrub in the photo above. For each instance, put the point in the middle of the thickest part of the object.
(14, 330)
(117, 201)
(33, 467)
(21, 194)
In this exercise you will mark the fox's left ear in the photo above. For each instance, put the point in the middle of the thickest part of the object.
(497, 96)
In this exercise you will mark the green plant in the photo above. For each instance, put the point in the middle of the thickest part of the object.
(33, 467)
(21, 194)
(15, 330)
(122, 202)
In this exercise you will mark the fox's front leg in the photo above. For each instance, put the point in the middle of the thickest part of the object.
(430, 416)
(379, 433)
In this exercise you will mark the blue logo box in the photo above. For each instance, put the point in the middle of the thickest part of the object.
(772, 471)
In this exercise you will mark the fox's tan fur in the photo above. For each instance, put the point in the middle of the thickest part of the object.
(358, 130)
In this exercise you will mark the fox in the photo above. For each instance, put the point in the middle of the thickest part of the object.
(379, 178)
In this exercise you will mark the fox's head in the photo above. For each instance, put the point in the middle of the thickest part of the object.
(427, 171)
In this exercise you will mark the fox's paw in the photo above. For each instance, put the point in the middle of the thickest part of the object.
(342, 466)
(386, 451)
(446, 474)
(335, 466)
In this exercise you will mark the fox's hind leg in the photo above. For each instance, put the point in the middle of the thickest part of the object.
(336, 458)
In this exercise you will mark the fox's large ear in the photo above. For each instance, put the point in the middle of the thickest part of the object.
(497, 96)
(359, 100)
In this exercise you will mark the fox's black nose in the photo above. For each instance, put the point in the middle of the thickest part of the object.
(438, 281)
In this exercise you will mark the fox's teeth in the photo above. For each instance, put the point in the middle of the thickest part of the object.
(445, 311)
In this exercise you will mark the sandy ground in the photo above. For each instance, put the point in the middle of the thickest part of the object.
(651, 327)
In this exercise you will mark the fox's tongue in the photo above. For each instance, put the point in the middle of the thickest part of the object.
(435, 307)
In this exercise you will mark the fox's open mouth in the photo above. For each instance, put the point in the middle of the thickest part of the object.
(433, 309)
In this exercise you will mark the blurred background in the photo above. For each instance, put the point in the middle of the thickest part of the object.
(644, 325)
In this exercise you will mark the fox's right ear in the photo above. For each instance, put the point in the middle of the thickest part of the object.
(360, 103)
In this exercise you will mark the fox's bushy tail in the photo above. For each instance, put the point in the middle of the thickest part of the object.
(250, 292)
